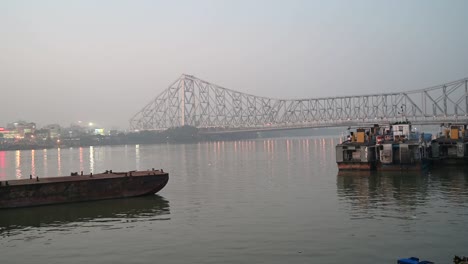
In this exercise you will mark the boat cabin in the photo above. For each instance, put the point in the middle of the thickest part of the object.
(357, 152)
(456, 131)
(401, 132)
(452, 144)
(362, 134)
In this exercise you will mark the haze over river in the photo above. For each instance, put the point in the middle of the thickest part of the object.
(253, 201)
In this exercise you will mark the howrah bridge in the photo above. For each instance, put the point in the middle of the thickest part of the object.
(215, 109)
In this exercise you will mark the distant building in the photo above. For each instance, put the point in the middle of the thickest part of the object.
(20, 129)
(75, 130)
(113, 132)
(99, 131)
(42, 134)
(54, 130)
(7, 136)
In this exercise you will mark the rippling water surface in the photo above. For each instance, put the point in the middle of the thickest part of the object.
(257, 201)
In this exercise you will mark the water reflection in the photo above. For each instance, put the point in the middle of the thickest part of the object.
(452, 183)
(2, 159)
(81, 159)
(137, 156)
(65, 217)
(59, 163)
(44, 156)
(33, 162)
(305, 148)
(2, 165)
(391, 194)
(91, 159)
(18, 164)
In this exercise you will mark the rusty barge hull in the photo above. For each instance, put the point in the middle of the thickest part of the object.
(419, 166)
(68, 189)
(366, 166)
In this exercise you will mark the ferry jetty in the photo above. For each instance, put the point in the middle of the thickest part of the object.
(390, 147)
(81, 187)
(451, 145)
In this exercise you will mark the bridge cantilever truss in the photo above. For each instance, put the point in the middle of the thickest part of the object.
(194, 102)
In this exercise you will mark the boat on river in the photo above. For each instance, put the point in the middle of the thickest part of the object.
(402, 148)
(451, 146)
(384, 147)
(37, 191)
(358, 150)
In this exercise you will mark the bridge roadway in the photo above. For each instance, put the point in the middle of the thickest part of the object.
(220, 131)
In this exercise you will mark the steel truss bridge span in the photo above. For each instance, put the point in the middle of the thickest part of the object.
(195, 102)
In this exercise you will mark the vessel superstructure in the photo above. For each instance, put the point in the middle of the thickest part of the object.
(451, 146)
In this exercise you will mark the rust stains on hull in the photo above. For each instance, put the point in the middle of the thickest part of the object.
(53, 190)
(365, 166)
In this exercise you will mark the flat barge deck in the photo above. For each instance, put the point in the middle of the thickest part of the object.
(65, 189)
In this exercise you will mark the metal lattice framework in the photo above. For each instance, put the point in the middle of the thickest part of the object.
(194, 102)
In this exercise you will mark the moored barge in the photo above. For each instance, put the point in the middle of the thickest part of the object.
(451, 147)
(384, 147)
(77, 188)
(401, 148)
(358, 151)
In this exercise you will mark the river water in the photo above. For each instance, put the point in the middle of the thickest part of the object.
(253, 201)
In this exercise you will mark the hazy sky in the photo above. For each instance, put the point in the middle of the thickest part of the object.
(102, 61)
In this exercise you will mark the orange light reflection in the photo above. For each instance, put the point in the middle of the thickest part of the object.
(59, 163)
(91, 159)
(33, 162)
(81, 160)
(18, 164)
